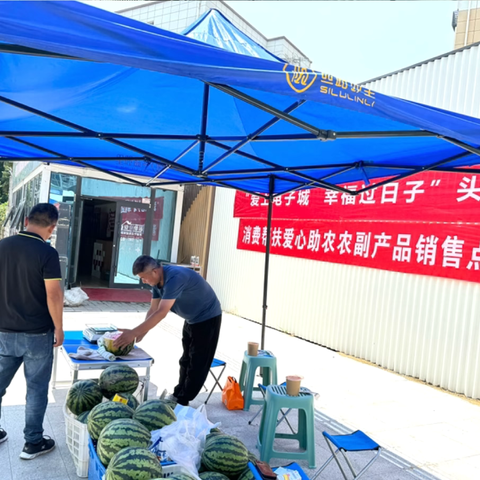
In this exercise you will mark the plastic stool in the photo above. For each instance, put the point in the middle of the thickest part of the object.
(268, 363)
(276, 398)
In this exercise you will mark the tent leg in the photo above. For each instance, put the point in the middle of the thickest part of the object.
(267, 259)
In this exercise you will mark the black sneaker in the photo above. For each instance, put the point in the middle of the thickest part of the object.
(33, 450)
(3, 435)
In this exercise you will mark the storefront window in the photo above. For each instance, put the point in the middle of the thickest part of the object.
(163, 221)
(106, 189)
(62, 195)
(23, 201)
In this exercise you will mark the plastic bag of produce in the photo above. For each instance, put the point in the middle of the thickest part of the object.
(183, 441)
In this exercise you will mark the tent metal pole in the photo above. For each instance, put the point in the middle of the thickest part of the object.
(60, 156)
(434, 166)
(252, 136)
(267, 259)
(203, 128)
(291, 171)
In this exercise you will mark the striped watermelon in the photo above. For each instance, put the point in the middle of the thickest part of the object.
(117, 351)
(104, 413)
(119, 434)
(134, 463)
(154, 414)
(83, 396)
(213, 476)
(225, 454)
(83, 417)
(132, 402)
(118, 378)
(181, 476)
(246, 475)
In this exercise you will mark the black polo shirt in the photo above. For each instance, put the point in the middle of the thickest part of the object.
(26, 261)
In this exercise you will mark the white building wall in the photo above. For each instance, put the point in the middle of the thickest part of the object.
(424, 327)
(450, 82)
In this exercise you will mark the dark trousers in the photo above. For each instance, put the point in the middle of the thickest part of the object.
(199, 344)
(35, 351)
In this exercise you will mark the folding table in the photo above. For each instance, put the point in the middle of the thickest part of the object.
(73, 339)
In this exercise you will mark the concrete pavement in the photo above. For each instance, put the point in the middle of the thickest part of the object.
(427, 433)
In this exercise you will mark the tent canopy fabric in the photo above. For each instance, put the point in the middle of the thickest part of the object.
(215, 29)
(85, 87)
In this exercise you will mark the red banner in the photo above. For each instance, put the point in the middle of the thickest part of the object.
(428, 197)
(443, 250)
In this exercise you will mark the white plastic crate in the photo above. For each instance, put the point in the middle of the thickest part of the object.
(77, 442)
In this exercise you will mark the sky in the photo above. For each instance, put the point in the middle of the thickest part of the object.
(352, 40)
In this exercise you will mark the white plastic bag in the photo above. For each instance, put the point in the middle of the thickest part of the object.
(184, 440)
(74, 297)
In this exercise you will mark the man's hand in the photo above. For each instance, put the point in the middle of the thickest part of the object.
(126, 338)
(58, 338)
(140, 337)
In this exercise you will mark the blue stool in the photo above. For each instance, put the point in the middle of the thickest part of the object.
(216, 363)
(268, 363)
(277, 398)
(353, 442)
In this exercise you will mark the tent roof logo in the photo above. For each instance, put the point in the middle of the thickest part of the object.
(300, 79)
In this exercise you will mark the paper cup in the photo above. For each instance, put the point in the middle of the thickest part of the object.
(293, 385)
(253, 349)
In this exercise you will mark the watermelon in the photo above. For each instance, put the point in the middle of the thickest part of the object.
(117, 351)
(132, 402)
(83, 417)
(225, 454)
(118, 378)
(246, 475)
(213, 476)
(181, 476)
(104, 413)
(133, 463)
(154, 414)
(252, 457)
(83, 396)
(118, 434)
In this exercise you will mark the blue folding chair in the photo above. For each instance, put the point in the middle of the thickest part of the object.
(216, 363)
(353, 442)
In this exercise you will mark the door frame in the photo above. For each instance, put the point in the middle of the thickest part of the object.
(147, 238)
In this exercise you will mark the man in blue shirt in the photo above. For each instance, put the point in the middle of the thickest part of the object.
(186, 293)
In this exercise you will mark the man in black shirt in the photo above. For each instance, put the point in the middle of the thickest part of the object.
(31, 302)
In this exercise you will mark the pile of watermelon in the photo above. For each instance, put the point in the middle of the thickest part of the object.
(84, 395)
(122, 432)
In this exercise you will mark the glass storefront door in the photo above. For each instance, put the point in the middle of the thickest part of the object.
(128, 244)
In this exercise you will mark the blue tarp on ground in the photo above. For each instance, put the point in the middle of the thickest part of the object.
(132, 101)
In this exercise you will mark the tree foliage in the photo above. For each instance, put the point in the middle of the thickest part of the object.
(5, 172)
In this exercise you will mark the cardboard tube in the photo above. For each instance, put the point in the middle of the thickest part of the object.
(253, 349)
(293, 385)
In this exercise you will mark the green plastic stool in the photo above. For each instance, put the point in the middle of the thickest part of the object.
(268, 363)
(277, 398)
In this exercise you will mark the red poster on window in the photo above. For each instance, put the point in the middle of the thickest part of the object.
(442, 250)
(428, 197)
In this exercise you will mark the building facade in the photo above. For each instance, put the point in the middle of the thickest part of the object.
(105, 224)
(177, 16)
(420, 326)
(466, 23)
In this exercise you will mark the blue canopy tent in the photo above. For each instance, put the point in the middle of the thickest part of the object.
(88, 88)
